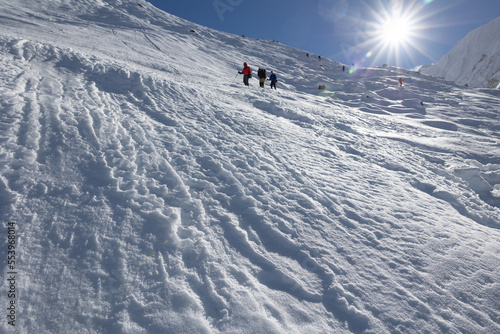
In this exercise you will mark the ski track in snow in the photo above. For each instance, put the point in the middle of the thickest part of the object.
(155, 197)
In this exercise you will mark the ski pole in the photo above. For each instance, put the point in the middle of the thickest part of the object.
(234, 78)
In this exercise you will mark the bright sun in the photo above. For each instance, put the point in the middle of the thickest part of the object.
(395, 31)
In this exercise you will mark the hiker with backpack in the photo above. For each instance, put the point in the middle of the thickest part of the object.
(247, 73)
(273, 79)
(262, 77)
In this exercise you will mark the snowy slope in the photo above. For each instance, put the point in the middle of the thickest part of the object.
(474, 61)
(154, 193)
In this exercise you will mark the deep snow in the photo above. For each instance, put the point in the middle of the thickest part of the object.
(154, 193)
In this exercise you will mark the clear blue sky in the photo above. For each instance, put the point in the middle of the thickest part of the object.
(349, 31)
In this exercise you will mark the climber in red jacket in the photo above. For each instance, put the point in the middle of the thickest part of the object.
(247, 73)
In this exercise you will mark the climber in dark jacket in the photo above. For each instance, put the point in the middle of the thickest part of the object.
(262, 77)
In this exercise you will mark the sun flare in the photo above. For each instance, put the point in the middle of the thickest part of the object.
(395, 31)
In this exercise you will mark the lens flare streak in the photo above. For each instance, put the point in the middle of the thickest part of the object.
(395, 31)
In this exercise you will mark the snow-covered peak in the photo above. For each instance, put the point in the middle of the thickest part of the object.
(474, 61)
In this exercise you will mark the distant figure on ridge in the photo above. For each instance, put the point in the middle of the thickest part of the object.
(307, 54)
(400, 82)
(247, 73)
(319, 57)
(273, 80)
(262, 77)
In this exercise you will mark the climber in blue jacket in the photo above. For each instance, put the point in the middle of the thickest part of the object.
(273, 80)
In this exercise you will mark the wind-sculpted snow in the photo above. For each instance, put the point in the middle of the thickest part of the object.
(154, 193)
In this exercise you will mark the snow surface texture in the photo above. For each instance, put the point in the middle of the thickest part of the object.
(474, 61)
(154, 193)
